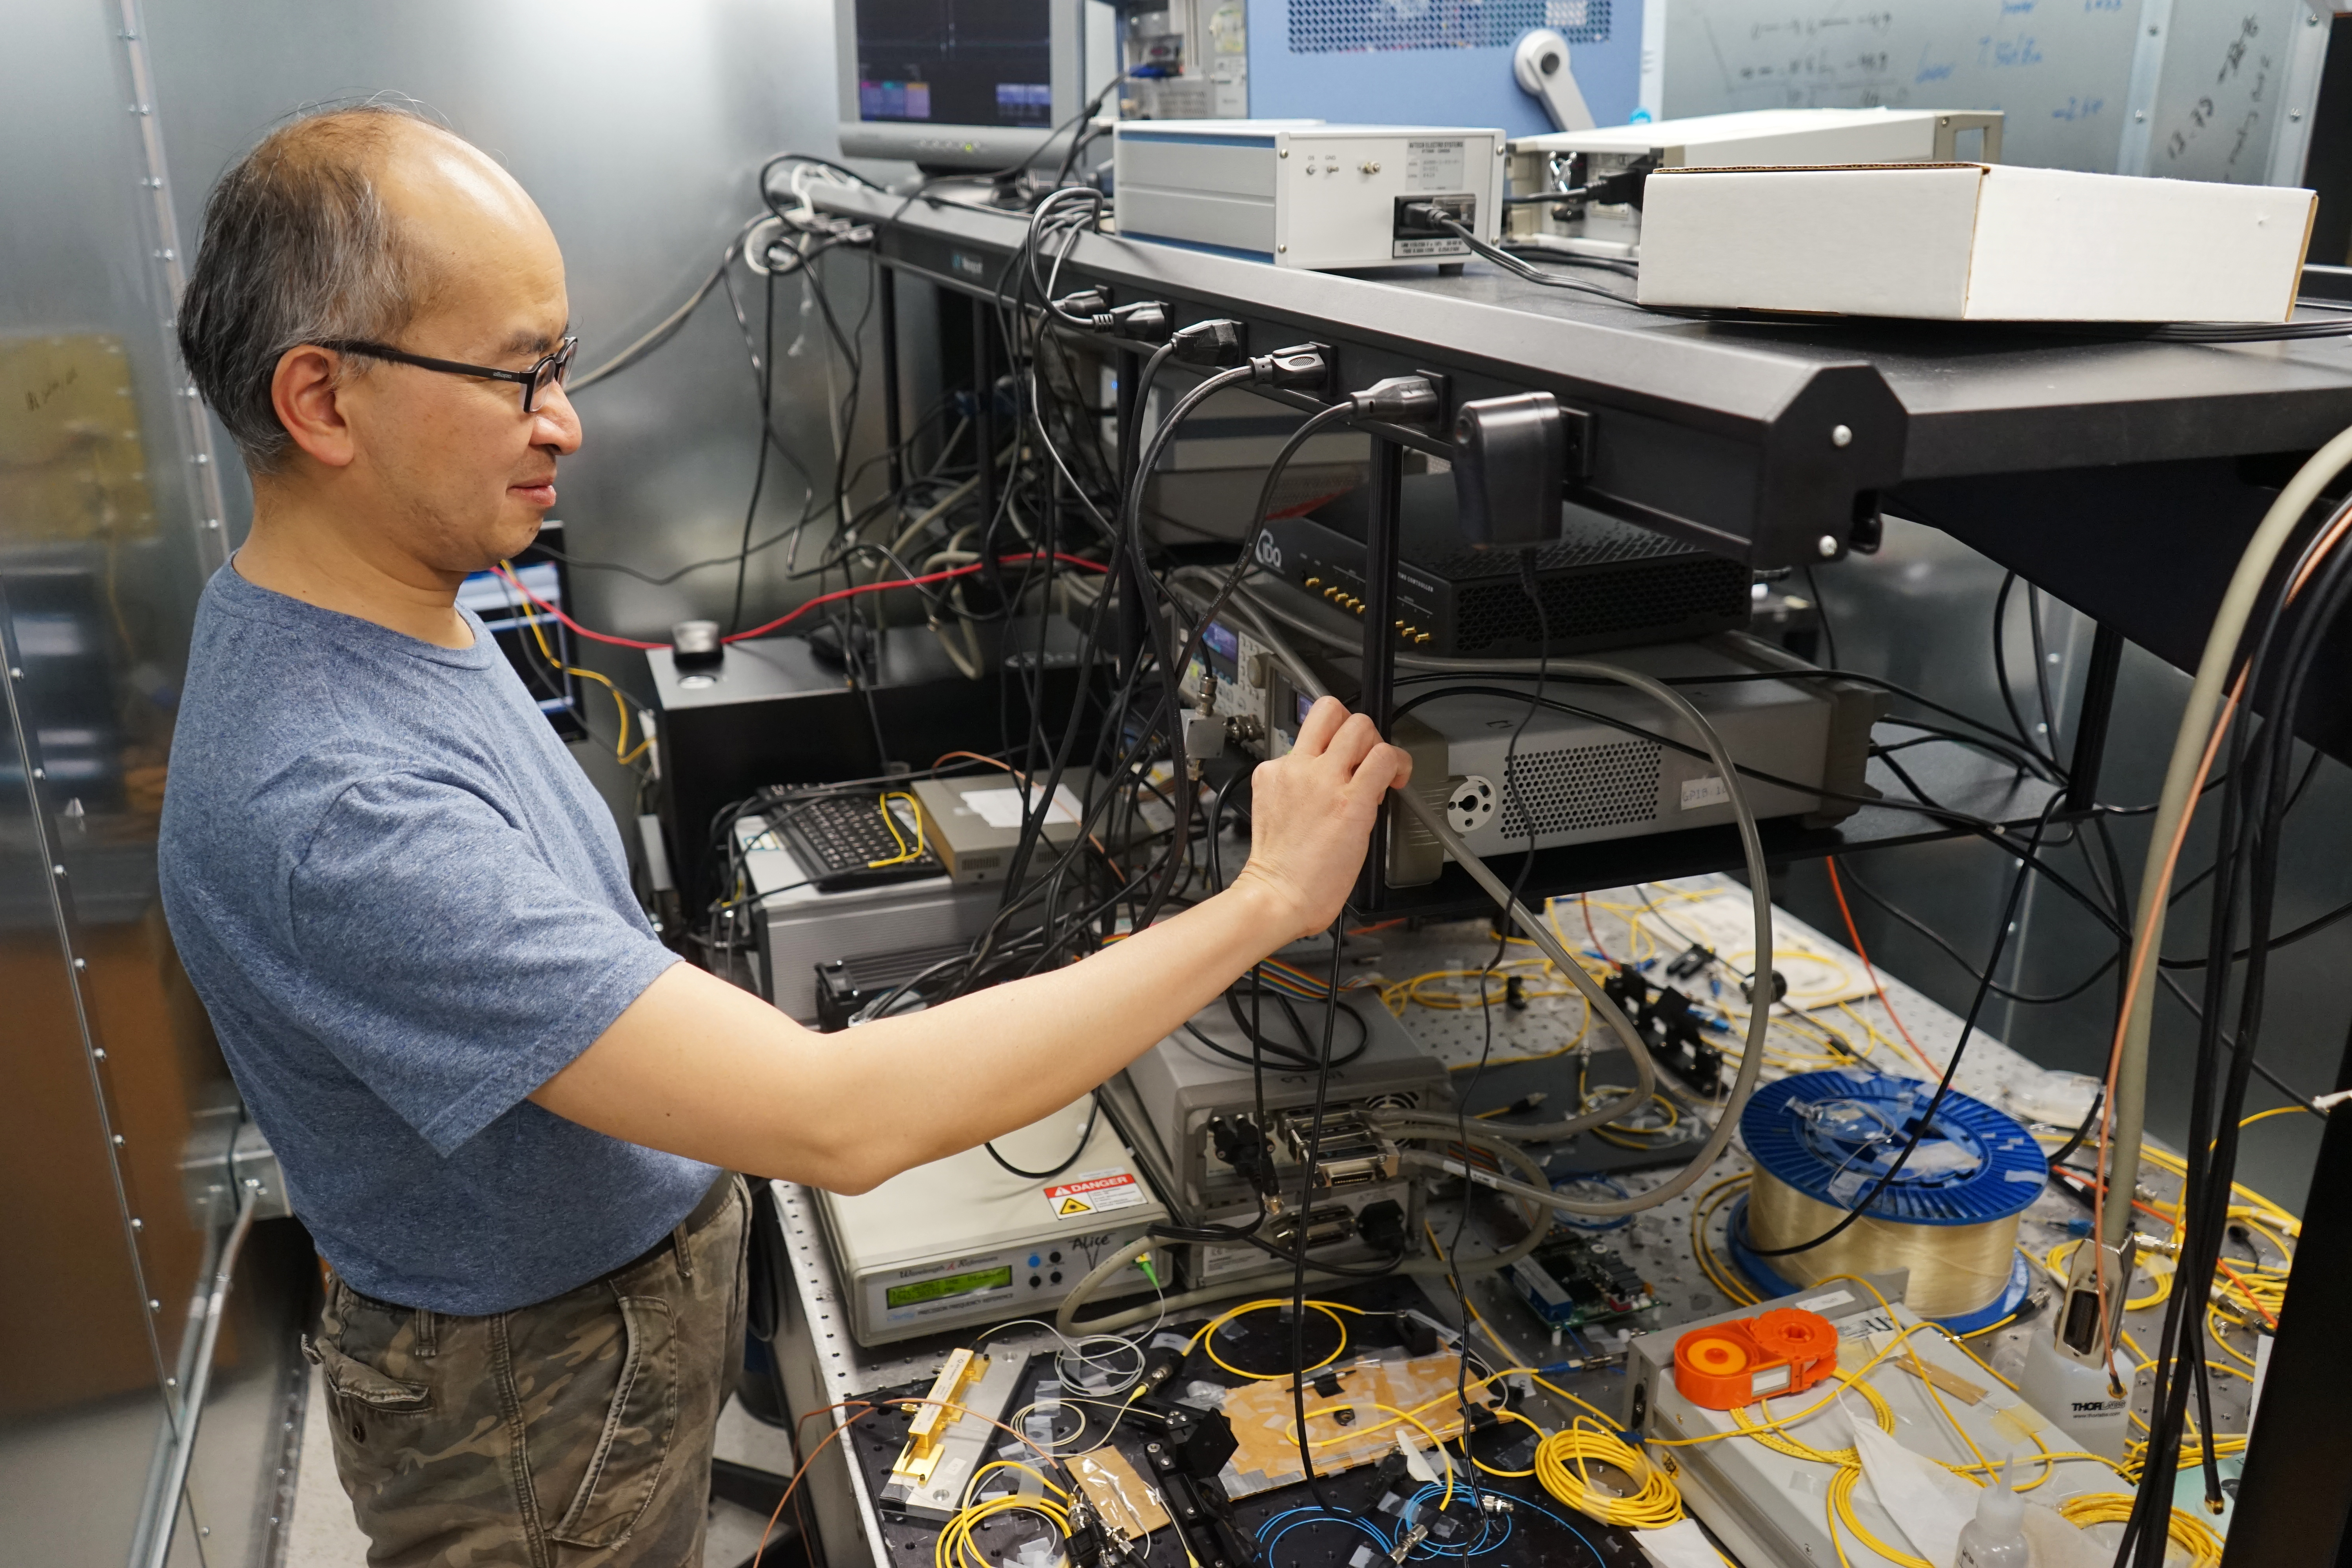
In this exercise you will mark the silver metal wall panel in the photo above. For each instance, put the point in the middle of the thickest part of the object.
(101, 547)
(1921, 612)
(639, 131)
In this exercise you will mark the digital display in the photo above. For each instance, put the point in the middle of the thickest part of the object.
(955, 62)
(898, 1295)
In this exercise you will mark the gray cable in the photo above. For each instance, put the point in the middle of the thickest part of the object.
(1752, 1060)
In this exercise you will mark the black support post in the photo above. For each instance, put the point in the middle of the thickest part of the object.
(1134, 598)
(2295, 1501)
(885, 309)
(983, 407)
(1378, 696)
(2091, 723)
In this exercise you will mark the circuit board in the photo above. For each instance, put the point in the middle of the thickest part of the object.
(1571, 1280)
(1282, 1523)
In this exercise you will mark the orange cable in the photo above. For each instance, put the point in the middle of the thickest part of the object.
(1876, 984)
(1584, 902)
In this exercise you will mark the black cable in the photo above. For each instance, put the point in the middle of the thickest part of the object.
(1991, 832)
(1822, 610)
(1951, 1066)
(759, 472)
(2041, 666)
(1094, 1112)
(1310, 1159)
(1948, 951)
(2252, 815)
(1308, 430)
(1517, 799)
(2000, 671)
(2075, 1139)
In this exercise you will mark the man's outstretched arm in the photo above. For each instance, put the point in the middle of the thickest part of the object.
(700, 1067)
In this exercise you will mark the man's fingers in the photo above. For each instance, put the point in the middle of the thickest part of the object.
(1323, 720)
(1354, 741)
(1384, 768)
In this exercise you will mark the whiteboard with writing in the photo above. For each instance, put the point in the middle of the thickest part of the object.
(2210, 85)
(2224, 88)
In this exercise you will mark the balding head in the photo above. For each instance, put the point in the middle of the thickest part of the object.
(344, 225)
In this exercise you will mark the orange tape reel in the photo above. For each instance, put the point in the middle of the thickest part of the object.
(1785, 1351)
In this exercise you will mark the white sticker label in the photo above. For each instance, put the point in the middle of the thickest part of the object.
(1437, 166)
(1093, 1193)
(1824, 1303)
(1002, 807)
(1707, 790)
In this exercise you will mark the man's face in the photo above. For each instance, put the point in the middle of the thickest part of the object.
(461, 472)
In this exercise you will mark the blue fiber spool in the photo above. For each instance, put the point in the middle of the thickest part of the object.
(1820, 1141)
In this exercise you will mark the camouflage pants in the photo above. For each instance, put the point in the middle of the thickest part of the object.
(572, 1433)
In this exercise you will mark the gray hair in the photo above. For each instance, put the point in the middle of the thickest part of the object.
(297, 248)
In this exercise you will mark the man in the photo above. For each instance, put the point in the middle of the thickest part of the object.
(505, 1112)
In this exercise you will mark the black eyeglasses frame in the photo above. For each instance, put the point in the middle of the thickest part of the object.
(546, 372)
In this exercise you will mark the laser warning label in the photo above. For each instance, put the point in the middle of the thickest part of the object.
(1094, 1192)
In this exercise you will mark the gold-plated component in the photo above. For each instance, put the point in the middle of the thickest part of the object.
(921, 1453)
(1315, 582)
(1420, 637)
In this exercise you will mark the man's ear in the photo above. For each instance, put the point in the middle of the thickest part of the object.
(306, 391)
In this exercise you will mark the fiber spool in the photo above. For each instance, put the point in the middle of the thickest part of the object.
(1821, 1140)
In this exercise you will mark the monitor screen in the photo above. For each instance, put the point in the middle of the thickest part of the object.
(956, 62)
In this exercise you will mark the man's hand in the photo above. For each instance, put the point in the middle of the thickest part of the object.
(1312, 810)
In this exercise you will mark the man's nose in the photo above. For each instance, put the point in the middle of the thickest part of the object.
(558, 423)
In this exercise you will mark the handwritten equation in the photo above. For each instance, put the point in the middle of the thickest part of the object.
(2060, 71)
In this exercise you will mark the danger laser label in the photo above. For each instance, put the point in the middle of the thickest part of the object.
(1093, 1193)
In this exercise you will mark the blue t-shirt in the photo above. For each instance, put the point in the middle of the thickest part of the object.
(405, 909)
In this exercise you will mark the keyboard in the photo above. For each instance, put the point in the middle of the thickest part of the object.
(837, 839)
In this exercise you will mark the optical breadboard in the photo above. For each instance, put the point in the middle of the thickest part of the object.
(1307, 194)
(1821, 1140)
(962, 1241)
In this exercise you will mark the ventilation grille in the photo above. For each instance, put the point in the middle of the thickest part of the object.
(1338, 26)
(1579, 788)
(1604, 603)
(1584, 540)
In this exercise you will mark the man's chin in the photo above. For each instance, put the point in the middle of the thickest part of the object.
(506, 538)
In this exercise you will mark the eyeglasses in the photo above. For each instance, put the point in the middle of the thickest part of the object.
(548, 371)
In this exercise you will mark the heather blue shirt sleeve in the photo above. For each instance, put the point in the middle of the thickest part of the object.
(443, 962)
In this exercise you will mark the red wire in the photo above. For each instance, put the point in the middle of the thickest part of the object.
(810, 605)
(1876, 984)
(1584, 902)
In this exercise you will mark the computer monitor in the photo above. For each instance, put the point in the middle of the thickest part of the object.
(959, 84)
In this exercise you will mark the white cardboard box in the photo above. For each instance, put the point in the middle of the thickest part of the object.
(1977, 242)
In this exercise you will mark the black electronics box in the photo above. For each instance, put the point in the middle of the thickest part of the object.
(1604, 584)
(846, 985)
(773, 713)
